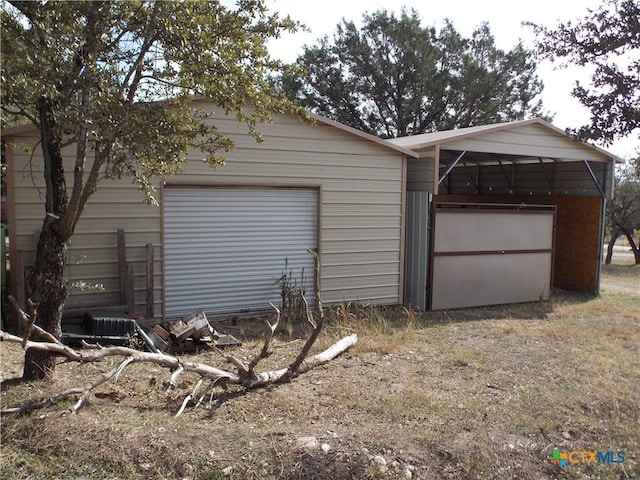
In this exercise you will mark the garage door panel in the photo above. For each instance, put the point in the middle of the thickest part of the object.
(490, 279)
(493, 231)
(489, 256)
(225, 247)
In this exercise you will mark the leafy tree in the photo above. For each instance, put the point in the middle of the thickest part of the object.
(623, 212)
(115, 79)
(607, 39)
(394, 77)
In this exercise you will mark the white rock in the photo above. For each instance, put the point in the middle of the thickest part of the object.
(407, 473)
(227, 470)
(380, 461)
(309, 443)
(325, 447)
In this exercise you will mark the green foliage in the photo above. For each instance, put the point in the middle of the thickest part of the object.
(135, 342)
(116, 80)
(394, 77)
(608, 39)
(121, 75)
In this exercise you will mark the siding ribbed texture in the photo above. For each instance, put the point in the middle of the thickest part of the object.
(420, 171)
(361, 184)
(417, 249)
(535, 140)
(92, 267)
(225, 247)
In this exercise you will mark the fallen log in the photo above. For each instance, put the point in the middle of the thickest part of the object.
(245, 375)
(206, 372)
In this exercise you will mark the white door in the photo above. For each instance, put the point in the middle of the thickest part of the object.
(225, 247)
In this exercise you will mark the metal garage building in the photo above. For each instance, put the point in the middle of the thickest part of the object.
(491, 214)
(220, 238)
(502, 213)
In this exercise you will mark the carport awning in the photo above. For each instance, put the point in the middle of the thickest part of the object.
(473, 173)
(530, 157)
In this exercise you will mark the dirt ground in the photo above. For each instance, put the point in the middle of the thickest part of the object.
(465, 394)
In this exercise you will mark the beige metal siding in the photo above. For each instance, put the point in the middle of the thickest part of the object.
(361, 209)
(421, 171)
(92, 267)
(361, 201)
(535, 140)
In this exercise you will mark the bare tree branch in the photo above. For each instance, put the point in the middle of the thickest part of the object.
(30, 323)
(189, 397)
(216, 375)
(271, 330)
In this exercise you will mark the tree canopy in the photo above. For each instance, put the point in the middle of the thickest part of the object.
(607, 39)
(394, 77)
(104, 66)
(116, 80)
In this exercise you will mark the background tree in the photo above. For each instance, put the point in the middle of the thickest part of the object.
(623, 211)
(608, 39)
(115, 80)
(394, 77)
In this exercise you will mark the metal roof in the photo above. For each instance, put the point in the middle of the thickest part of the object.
(442, 138)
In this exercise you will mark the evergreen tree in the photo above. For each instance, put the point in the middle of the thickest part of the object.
(607, 39)
(394, 77)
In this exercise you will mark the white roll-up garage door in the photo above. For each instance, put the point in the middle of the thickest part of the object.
(225, 247)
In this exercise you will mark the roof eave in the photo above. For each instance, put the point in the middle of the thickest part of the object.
(367, 136)
(19, 130)
(508, 126)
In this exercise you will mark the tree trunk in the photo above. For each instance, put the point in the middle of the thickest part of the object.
(46, 283)
(612, 241)
(634, 247)
(48, 290)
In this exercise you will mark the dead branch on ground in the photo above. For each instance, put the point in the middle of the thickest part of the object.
(245, 374)
(178, 366)
(29, 322)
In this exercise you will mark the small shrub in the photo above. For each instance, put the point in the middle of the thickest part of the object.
(292, 291)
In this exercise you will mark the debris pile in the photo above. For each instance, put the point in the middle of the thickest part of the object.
(189, 334)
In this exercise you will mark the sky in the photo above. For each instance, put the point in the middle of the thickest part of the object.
(504, 17)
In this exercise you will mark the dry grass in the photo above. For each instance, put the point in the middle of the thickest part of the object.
(478, 393)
